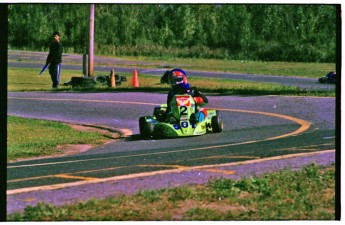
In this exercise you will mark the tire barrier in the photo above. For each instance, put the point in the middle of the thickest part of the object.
(96, 80)
(82, 82)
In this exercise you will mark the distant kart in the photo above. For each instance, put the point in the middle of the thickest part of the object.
(329, 78)
(181, 121)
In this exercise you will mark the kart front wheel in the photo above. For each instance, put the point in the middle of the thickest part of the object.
(146, 128)
(216, 124)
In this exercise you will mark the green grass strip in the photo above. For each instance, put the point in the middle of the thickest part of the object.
(32, 138)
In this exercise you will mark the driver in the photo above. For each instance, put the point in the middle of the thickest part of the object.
(331, 75)
(177, 79)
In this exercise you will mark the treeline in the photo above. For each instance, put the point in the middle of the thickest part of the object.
(304, 33)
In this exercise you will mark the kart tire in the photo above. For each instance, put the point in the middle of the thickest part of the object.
(103, 80)
(216, 124)
(82, 81)
(146, 129)
(123, 78)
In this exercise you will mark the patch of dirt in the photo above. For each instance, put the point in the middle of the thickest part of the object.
(187, 205)
(78, 148)
(73, 149)
(106, 132)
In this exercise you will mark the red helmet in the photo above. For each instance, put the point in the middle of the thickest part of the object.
(178, 77)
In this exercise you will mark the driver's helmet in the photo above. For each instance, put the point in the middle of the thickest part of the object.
(178, 78)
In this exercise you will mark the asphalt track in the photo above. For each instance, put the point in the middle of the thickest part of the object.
(256, 128)
(261, 133)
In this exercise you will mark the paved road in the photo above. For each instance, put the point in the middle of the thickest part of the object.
(105, 64)
(256, 128)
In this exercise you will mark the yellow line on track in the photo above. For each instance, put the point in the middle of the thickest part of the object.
(29, 178)
(304, 148)
(67, 176)
(231, 157)
(84, 100)
(304, 125)
(227, 172)
(73, 175)
(159, 165)
(161, 172)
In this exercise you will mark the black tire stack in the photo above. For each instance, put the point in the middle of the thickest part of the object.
(82, 82)
(92, 81)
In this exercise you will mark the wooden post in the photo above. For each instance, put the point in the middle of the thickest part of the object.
(91, 40)
(85, 65)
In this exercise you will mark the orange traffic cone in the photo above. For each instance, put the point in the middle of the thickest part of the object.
(112, 78)
(135, 81)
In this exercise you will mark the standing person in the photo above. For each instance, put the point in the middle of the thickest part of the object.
(54, 59)
(177, 79)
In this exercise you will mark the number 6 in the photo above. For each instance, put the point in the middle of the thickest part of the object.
(184, 124)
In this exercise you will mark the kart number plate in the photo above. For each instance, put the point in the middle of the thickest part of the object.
(184, 124)
(183, 113)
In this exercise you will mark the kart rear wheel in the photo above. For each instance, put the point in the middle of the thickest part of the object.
(146, 128)
(216, 124)
(322, 80)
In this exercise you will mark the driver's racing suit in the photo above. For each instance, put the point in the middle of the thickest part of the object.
(199, 97)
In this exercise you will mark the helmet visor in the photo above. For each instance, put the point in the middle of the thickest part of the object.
(176, 77)
(175, 80)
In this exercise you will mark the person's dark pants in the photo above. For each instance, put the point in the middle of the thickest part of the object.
(54, 71)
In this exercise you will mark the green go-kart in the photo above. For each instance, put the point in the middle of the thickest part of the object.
(180, 121)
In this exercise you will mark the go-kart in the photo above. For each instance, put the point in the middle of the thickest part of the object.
(329, 78)
(180, 121)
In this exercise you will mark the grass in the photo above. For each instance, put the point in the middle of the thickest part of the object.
(32, 138)
(310, 70)
(306, 194)
(27, 80)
